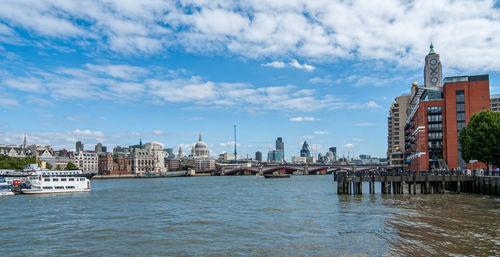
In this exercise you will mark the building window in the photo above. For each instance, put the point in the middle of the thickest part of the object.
(434, 109)
(434, 118)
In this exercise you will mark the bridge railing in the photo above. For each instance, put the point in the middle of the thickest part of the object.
(376, 173)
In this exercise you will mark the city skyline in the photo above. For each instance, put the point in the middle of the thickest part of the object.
(117, 73)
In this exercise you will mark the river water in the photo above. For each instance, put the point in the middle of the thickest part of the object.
(245, 216)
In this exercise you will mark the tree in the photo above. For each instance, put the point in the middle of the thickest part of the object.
(14, 163)
(71, 166)
(480, 139)
(48, 166)
(58, 167)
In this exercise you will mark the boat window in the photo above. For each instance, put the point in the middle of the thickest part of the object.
(82, 179)
(47, 179)
(59, 187)
(70, 187)
(63, 179)
(47, 187)
(55, 179)
(71, 179)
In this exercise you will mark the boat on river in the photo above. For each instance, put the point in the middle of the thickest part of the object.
(42, 181)
(55, 184)
(5, 188)
(277, 175)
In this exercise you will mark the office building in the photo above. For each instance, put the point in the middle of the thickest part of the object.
(305, 152)
(258, 156)
(395, 131)
(495, 102)
(79, 146)
(436, 119)
(98, 148)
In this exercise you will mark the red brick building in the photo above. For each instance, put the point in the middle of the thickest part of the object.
(432, 127)
(117, 164)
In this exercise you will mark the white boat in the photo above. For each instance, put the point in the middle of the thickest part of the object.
(55, 184)
(5, 188)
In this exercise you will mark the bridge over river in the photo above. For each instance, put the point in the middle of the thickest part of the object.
(300, 169)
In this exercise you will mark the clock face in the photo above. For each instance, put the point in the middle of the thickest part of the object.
(433, 61)
(434, 80)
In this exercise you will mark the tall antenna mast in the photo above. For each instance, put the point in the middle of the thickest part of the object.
(235, 153)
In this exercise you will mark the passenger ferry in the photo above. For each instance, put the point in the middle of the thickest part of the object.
(5, 188)
(39, 181)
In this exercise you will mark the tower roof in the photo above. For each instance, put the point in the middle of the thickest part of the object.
(431, 51)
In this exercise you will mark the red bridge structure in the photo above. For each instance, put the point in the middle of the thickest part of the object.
(299, 169)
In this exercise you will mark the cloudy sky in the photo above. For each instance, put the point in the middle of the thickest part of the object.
(116, 71)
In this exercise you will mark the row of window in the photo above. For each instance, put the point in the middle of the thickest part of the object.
(434, 109)
(434, 118)
(435, 135)
(436, 144)
(59, 187)
(63, 179)
(435, 127)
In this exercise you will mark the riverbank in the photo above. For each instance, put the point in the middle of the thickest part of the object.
(127, 176)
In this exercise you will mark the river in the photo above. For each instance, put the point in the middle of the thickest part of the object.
(245, 216)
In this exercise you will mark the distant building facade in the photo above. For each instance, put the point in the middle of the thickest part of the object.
(305, 151)
(495, 102)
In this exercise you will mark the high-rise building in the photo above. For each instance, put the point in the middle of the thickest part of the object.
(104, 149)
(495, 102)
(305, 152)
(280, 146)
(79, 147)
(258, 156)
(98, 148)
(333, 149)
(395, 131)
(434, 123)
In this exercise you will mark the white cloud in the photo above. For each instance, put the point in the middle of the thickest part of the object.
(322, 30)
(274, 64)
(358, 139)
(349, 145)
(306, 137)
(365, 124)
(319, 80)
(157, 132)
(372, 104)
(306, 67)
(8, 102)
(321, 132)
(87, 132)
(299, 118)
(229, 143)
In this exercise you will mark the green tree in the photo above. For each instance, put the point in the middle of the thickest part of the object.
(71, 166)
(14, 163)
(480, 139)
(48, 166)
(58, 167)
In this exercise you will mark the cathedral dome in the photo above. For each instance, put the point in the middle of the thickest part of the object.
(200, 149)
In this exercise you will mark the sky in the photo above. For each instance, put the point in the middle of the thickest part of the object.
(117, 71)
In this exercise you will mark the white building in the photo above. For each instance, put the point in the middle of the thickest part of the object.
(156, 151)
(303, 159)
(87, 161)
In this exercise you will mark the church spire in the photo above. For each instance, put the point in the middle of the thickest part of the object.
(25, 142)
(431, 51)
(200, 137)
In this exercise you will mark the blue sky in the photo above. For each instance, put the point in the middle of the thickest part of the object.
(321, 71)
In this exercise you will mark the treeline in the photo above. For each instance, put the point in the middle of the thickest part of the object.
(14, 163)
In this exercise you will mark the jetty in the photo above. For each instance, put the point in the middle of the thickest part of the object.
(412, 183)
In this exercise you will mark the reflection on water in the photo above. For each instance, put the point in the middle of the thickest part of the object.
(245, 216)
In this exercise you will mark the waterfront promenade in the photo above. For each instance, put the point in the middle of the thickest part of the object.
(423, 182)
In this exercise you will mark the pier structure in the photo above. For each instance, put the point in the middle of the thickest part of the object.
(351, 183)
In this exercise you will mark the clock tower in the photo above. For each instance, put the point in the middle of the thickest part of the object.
(433, 74)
